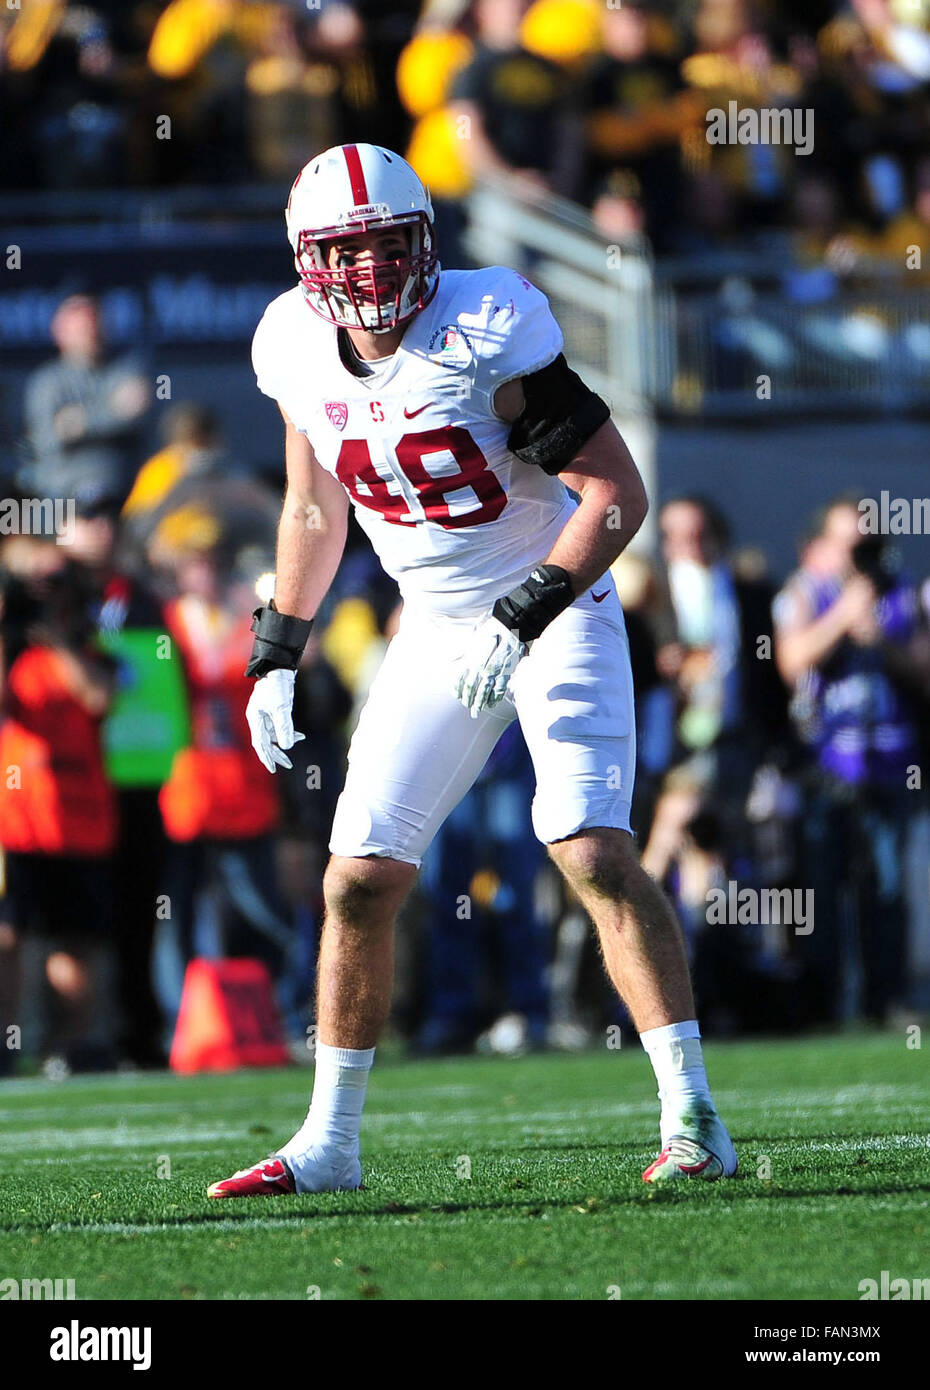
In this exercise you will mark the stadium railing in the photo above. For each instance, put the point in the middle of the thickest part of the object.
(717, 333)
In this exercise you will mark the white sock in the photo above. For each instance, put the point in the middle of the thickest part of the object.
(335, 1113)
(677, 1060)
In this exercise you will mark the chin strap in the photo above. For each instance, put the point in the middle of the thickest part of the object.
(531, 607)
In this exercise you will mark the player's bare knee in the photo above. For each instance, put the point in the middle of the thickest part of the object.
(365, 890)
(599, 862)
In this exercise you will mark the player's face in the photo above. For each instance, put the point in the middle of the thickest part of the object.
(374, 252)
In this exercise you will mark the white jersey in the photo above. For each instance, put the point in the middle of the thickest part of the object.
(453, 515)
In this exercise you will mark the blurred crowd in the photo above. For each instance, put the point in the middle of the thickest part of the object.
(781, 736)
(604, 103)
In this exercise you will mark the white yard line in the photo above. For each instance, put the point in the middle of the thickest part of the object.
(547, 1125)
(904, 1092)
(807, 1107)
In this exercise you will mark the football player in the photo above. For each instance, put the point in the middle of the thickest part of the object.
(497, 492)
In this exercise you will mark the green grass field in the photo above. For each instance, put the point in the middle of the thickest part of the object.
(833, 1135)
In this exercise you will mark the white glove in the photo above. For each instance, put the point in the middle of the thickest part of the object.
(271, 718)
(491, 657)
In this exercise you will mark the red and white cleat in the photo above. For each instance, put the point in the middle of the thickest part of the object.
(686, 1158)
(269, 1178)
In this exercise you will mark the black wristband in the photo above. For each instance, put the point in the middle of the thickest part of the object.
(279, 641)
(530, 608)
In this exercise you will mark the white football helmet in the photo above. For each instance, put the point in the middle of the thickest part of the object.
(352, 189)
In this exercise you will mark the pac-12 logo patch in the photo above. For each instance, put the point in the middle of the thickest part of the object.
(337, 413)
(449, 346)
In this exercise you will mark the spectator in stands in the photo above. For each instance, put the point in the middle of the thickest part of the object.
(849, 643)
(649, 626)
(315, 83)
(734, 60)
(193, 449)
(294, 102)
(148, 721)
(85, 412)
(57, 810)
(202, 48)
(219, 804)
(897, 232)
(509, 103)
(636, 110)
(879, 46)
(731, 701)
(907, 230)
(817, 214)
(742, 980)
(361, 41)
(62, 62)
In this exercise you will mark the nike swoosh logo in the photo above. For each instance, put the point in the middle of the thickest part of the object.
(599, 598)
(420, 408)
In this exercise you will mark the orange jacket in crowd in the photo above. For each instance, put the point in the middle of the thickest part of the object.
(217, 787)
(54, 793)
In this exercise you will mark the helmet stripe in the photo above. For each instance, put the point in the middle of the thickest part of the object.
(356, 174)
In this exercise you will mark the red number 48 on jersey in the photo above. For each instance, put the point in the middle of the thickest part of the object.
(355, 470)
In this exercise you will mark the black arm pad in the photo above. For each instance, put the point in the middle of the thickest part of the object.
(559, 415)
(530, 608)
(279, 641)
